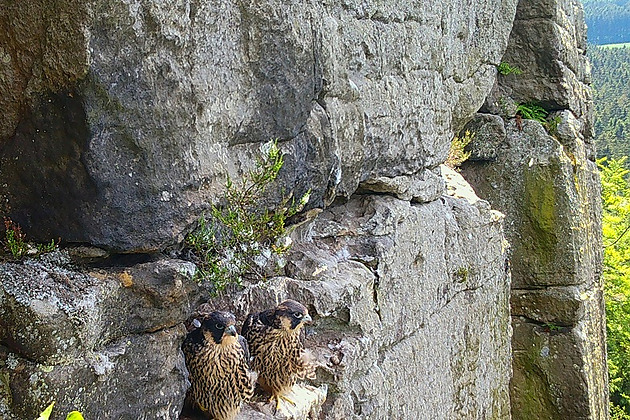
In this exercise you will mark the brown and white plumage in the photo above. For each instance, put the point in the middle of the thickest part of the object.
(276, 343)
(217, 361)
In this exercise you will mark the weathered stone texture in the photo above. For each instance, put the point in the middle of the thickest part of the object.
(549, 193)
(106, 342)
(558, 370)
(410, 303)
(41, 49)
(161, 100)
(548, 187)
(360, 265)
(548, 43)
(552, 219)
(123, 119)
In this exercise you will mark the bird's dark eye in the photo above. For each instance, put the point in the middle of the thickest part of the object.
(220, 326)
(298, 315)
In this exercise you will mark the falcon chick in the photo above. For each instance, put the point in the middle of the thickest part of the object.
(276, 342)
(217, 361)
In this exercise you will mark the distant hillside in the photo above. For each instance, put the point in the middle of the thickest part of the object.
(608, 21)
(611, 95)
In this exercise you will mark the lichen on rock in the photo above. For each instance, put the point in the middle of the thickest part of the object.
(123, 120)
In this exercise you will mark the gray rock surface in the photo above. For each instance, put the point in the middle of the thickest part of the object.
(488, 133)
(307, 403)
(548, 43)
(109, 383)
(105, 342)
(122, 121)
(135, 113)
(549, 189)
(392, 285)
(549, 193)
(410, 303)
(550, 216)
(420, 188)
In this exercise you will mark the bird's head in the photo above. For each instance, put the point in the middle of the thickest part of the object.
(220, 327)
(292, 315)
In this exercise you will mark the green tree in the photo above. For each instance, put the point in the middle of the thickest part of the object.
(611, 97)
(616, 232)
(608, 21)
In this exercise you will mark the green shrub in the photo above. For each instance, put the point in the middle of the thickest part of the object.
(616, 276)
(532, 111)
(239, 238)
(505, 69)
(457, 153)
(617, 413)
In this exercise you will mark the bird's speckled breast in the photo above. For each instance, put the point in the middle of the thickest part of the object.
(276, 360)
(214, 376)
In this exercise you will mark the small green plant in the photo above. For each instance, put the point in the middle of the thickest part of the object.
(457, 153)
(46, 247)
(551, 327)
(551, 125)
(461, 275)
(238, 238)
(532, 111)
(45, 415)
(15, 242)
(14, 239)
(506, 69)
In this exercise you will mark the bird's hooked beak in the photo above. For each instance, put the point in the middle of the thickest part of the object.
(307, 319)
(231, 330)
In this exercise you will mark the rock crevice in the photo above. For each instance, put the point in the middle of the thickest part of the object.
(135, 113)
(546, 182)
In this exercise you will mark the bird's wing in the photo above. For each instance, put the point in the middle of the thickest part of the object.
(266, 317)
(257, 323)
(243, 342)
(306, 365)
(194, 339)
(244, 377)
(247, 325)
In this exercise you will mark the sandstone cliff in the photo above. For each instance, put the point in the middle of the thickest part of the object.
(122, 120)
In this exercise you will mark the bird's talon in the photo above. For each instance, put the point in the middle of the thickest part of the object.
(287, 400)
(278, 398)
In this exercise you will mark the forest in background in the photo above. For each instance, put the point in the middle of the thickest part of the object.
(616, 273)
(611, 97)
(609, 23)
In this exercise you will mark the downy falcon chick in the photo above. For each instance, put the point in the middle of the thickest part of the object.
(276, 342)
(217, 361)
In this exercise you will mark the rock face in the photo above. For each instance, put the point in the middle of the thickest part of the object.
(123, 120)
(548, 188)
(553, 222)
(362, 262)
(134, 113)
(410, 303)
(88, 340)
